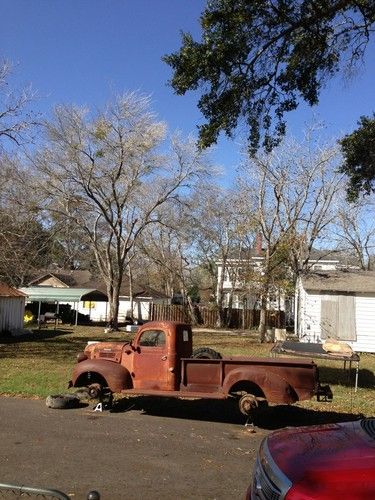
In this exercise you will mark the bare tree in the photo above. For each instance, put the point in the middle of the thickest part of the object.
(168, 248)
(354, 231)
(25, 242)
(160, 246)
(295, 188)
(104, 172)
(15, 122)
(220, 228)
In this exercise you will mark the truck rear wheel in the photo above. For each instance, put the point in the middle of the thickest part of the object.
(247, 404)
(205, 353)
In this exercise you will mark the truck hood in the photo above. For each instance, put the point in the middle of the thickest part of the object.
(338, 450)
(105, 350)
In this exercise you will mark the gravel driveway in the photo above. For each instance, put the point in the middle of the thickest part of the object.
(157, 449)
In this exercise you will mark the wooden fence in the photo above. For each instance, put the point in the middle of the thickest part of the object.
(208, 317)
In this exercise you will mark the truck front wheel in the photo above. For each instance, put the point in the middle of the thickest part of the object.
(95, 391)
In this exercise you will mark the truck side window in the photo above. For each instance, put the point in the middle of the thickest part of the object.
(152, 338)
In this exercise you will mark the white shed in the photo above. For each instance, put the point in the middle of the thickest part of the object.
(337, 304)
(12, 309)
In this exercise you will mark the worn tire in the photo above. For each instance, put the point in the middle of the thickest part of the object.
(82, 394)
(205, 353)
(247, 404)
(94, 391)
(62, 401)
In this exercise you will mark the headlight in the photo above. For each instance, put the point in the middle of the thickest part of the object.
(269, 482)
(81, 357)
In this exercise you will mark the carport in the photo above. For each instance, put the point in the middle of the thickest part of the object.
(57, 295)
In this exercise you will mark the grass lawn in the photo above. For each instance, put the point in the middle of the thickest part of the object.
(41, 364)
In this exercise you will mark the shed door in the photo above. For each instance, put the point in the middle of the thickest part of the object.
(338, 317)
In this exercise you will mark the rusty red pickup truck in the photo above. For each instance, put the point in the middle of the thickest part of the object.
(159, 362)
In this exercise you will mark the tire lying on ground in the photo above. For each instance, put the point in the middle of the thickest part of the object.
(82, 394)
(205, 353)
(62, 401)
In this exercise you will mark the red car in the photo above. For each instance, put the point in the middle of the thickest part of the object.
(325, 462)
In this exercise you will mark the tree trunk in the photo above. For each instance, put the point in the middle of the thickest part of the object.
(229, 311)
(263, 319)
(220, 298)
(130, 274)
(113, 292)
(244, 309)
(193, 316)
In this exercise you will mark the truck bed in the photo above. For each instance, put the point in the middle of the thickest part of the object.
(211, 378)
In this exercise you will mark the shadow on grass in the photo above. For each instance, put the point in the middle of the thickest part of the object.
(35, 336)
(61, 344)
(274, 417)
(333, 375)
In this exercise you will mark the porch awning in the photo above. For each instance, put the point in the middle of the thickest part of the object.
(56, 294)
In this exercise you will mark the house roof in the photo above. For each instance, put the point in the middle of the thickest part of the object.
(62, 294)
(327, 255)
(84, 279)
(324, 255)
(77, 277)
(340, 281)
(8, 291)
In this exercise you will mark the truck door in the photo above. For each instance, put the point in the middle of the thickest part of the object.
(150, 368)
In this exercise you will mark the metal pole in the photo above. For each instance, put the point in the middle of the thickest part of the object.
(356, 377)
(39, 309)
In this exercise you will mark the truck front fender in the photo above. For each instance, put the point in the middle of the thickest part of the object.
(116, 376)
(274, 388)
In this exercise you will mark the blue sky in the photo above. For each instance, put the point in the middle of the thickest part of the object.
(83, 51)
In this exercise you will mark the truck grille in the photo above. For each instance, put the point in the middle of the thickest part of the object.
(107, 355)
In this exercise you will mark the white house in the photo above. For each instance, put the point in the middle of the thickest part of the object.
(244, 294)
(12, 309)
(338, 304)
(93, 302)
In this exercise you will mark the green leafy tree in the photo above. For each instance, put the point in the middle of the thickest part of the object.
(258, 58)
(359, 158)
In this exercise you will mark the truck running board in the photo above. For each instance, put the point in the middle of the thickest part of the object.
(175, 394)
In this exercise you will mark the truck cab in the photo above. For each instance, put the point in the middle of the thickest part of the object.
(155, 354)
(151, 361)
